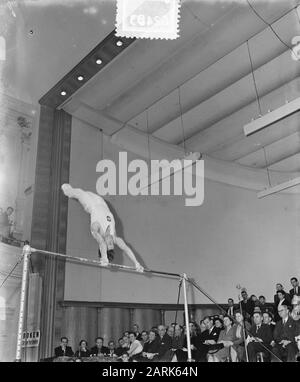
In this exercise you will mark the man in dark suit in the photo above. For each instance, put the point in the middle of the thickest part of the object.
(247, 305)
(230, 308)
(283, 299)
(284, 344)
(207, 340)
(99, 349)
(296, 288)
(164, 343)
(151, 348)
(63, 350)
(260, 334)
(264, 306)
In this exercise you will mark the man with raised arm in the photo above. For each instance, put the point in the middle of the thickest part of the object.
(102, 223)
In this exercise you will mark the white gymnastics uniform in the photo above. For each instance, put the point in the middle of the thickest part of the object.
(96, 206)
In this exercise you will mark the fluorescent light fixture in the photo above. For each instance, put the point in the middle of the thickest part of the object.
(178, 165)
(279, 187)
(272, 117)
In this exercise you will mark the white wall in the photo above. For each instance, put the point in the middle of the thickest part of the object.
(232, 238)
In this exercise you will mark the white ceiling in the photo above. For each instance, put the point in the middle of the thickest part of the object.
(208, 66)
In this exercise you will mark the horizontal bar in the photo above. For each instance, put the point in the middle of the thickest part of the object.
(98, 263)
(272, 117)
(279, 187)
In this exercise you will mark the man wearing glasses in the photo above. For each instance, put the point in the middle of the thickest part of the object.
(284, 344)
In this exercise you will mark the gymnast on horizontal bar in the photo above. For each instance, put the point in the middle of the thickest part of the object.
(102, 224)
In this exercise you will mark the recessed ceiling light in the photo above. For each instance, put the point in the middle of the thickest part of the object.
(63, 93)
(119, 43)
(80, 78)
(98, 61)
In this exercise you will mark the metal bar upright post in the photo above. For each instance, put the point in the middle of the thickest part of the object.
(187, 322)
(26, 255)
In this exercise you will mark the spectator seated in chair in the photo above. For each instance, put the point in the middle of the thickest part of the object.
(283, 299)
(83, 350)
(207, 340)
(111, 349)
(225, 340)
(63, 350)
(218, 324)
(279, 287)
(240, 330)
(260, 338)
(286, 329)
(151, 348)
(268, 319)
(178, 338)
(99, 350)
(164, 344)
(144, 337)
(135, 348)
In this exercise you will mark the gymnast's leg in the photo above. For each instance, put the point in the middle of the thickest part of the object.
(95, 230)
(124, 247)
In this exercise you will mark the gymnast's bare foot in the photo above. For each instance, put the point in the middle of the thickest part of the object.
(139, 268)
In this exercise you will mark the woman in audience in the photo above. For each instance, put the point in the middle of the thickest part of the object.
(83, 350)
(136, 347)
(218, 324)
(240, 330)
(226, 339)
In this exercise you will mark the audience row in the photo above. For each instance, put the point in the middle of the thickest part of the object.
(249, 331)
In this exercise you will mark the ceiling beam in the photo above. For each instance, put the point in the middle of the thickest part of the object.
(202, 51)
(272, 117)
(227, 132)
(279, 187)
(276, 151)
(211, 85)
